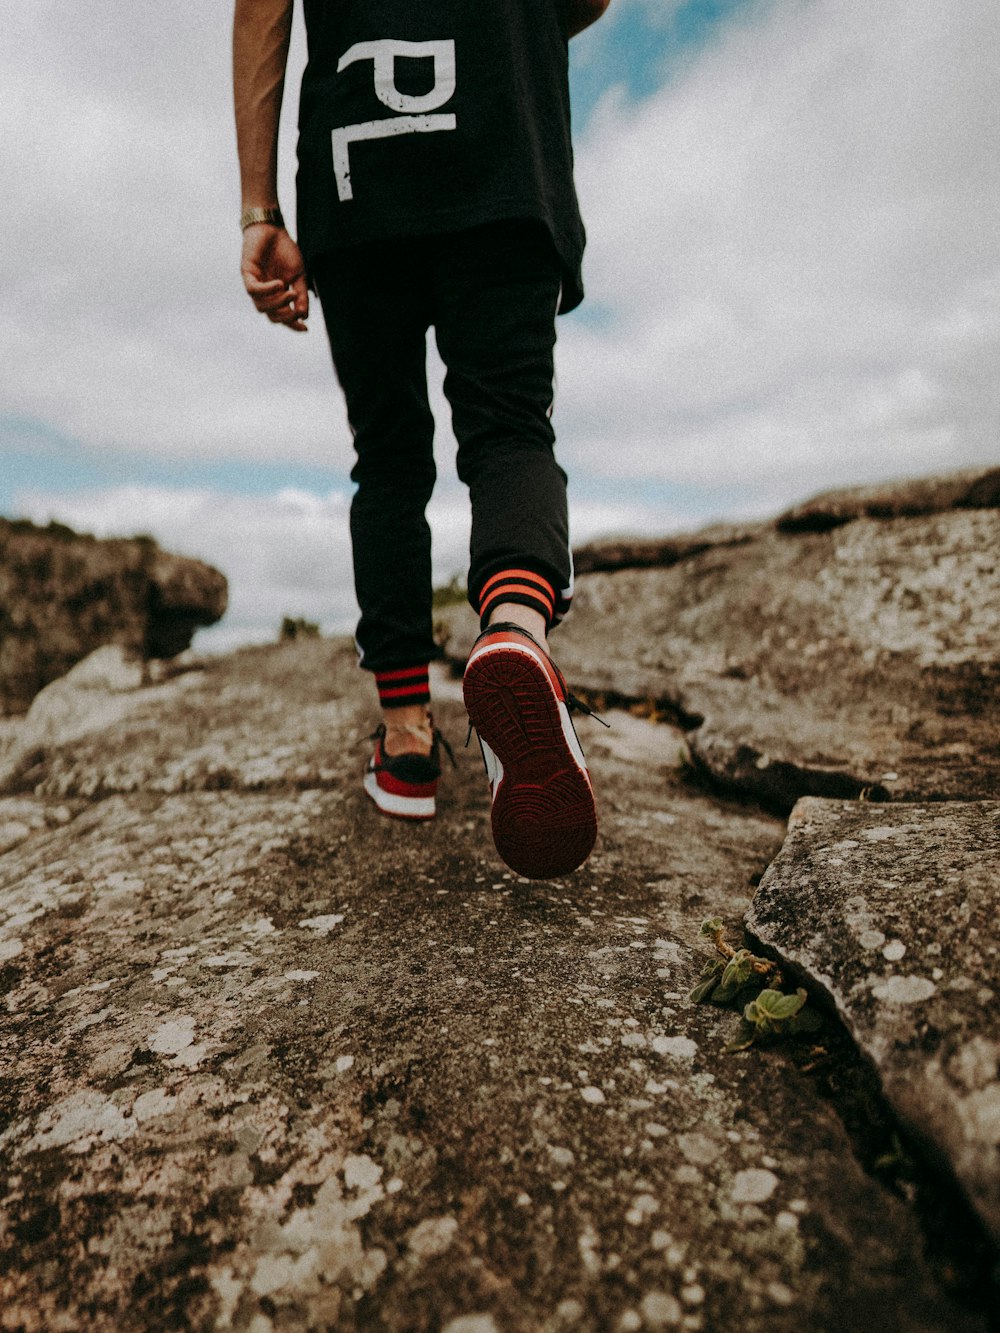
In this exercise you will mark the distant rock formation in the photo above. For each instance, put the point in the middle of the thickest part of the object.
(973, 488)
(660, 552)
(63, 594)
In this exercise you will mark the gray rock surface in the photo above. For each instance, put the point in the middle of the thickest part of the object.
(828, 664)
(272, 1062)
(95, 693)
(63, 594)
(892, 911)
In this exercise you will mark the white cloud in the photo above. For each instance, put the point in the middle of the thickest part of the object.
(796, 244)
(125, 322)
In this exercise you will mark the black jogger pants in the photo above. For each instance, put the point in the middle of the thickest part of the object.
(490, 293)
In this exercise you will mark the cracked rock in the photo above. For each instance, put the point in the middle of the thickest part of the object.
(890, 910)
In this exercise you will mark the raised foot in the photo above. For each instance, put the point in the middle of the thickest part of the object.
(544, 819)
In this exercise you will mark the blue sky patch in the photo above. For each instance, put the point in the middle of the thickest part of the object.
(639, 45)
(38, 459)
(688, 503)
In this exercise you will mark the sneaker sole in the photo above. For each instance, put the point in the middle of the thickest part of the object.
(544, 818)
(396, 806)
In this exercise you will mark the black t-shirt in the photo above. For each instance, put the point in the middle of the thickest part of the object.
(424, 116)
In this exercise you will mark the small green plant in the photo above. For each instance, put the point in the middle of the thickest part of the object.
(294, 627)
(453, 593)
(51, 529)
(739, 980)
(895, 1158)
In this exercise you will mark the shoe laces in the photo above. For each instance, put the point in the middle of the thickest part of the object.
(574, 705)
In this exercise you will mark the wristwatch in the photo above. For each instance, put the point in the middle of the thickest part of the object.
(271, 215)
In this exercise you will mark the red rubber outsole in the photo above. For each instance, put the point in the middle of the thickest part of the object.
(544, 818)
(407, 810)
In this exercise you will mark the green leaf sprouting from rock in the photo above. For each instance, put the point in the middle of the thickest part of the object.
(753, 986)
(710, 975)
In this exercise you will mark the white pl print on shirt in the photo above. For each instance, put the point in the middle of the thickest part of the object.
(383, 55)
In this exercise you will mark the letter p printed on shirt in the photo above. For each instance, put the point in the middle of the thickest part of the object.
(411, 120)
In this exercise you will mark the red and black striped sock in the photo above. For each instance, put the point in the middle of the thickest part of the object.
(520, 586)
(403, 685)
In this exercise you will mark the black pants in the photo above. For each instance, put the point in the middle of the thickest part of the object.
(491, 293)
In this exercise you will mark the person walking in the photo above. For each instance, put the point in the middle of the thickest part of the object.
(435, 189)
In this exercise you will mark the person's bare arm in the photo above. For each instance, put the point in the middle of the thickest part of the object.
(582, 13)
(272, 266)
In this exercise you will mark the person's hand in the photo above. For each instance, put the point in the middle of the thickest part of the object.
(274, 275)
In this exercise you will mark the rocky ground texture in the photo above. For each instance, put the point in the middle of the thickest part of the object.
(273, 1062)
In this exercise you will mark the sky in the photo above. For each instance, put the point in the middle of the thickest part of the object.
(792, 272)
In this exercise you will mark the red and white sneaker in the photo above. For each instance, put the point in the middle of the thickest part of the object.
(405, 785)
(544, 819)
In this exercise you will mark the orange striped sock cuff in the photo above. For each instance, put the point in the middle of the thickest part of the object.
(521, 586)
(403, 685)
